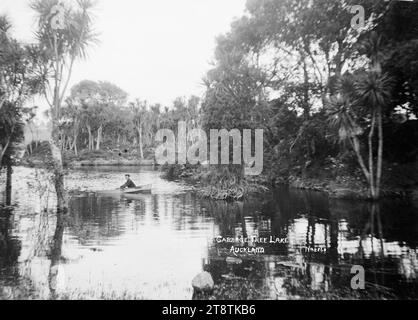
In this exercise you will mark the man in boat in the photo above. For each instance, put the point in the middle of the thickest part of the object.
(129, 183)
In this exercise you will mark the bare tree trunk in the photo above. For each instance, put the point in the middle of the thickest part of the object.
(306, 108)
(90, 147)
(58, 170)
(140, 142)
(371, 165)
(62, 139)
(9, 171)
(4, 148)
(75, 145)
(368, 172)
(356, 146)
(55, 144)
(379, 153)
(99, 137)
(56, 147)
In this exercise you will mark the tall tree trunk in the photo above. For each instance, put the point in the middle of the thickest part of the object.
(99, 137)
(55, 144)
(63, 141)
(371, 165)
(368, 172)
(339, 60)
(57, 163)
(90, 147)
(140, 142)
(4, 148)
(356, 147)
(379, 152)
(56, 154)
(58, 170)
(9, 171)
(306, 107)
(75, 145)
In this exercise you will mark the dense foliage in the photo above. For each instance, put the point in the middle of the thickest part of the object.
(18, 81)
(329, 96)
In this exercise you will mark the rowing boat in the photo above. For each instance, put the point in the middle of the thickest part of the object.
(141, 189)
(130, 191)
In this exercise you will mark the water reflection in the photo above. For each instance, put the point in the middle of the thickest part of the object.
(151, 247)
(325, 239)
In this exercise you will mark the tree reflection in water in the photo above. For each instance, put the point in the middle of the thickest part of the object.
(10, 248)
(55, 255)
(348, 235)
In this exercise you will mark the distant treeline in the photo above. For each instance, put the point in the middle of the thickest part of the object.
(97, 115)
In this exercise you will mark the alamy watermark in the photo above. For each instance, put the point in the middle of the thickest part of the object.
(358, 21)
(192, 147)
(358, 280)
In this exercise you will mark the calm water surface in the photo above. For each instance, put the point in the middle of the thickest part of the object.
(151, 247)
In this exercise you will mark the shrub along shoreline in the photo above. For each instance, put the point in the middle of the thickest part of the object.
(399, 183)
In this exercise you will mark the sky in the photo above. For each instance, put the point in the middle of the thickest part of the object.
(156, 50)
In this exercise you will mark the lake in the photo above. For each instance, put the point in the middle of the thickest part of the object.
(287, 244)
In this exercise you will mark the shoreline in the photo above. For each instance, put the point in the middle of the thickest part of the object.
(347, 190)
(93, 163)
(111, 163)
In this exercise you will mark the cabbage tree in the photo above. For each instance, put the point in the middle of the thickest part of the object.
(64, 34)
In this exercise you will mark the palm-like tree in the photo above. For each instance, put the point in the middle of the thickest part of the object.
(370, 92)
(343, 118)
(61, 42)
(63, 45)
(375, 89)
(146, 122)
